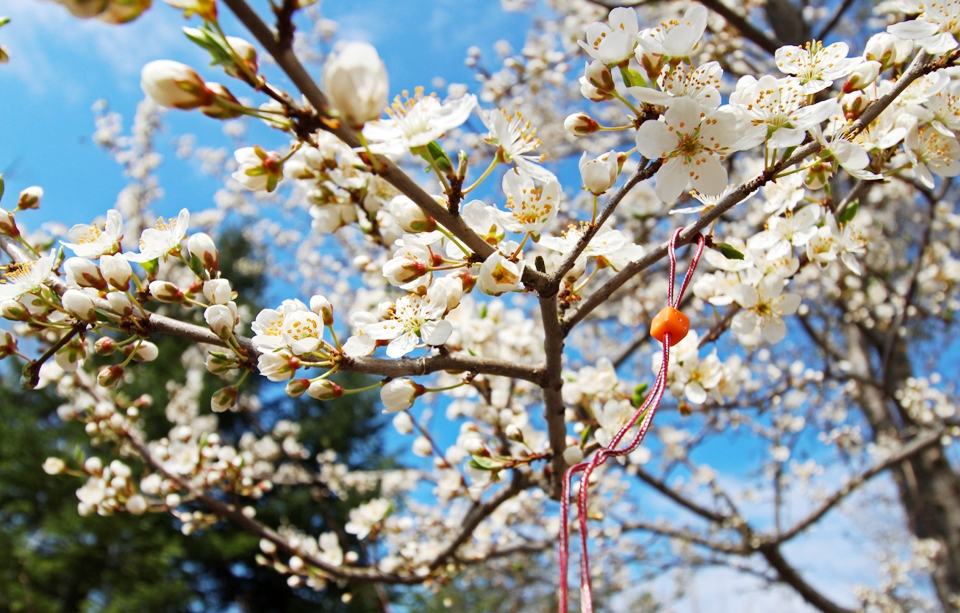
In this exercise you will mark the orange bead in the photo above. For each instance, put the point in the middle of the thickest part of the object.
(670, 321)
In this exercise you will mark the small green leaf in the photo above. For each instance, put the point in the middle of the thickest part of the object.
(637, 399)
(435, 153)
(487, 463)
(728, 252)
(632, 78)
(197, 267)
(849, 212)
(2, 186)
(585, 435)
(4, 21)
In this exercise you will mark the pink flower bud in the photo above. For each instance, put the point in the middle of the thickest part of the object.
(109, 376)
(580, 124)
(297, 387)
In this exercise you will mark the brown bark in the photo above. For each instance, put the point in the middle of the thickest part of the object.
(927, 485)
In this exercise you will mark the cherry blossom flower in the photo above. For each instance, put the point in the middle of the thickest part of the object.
(832, 241)
(366, 516)
(701, 84)
(515, 141)
(675, 38)
(614, 43)
(499, 274)
(762, 311)
(784, 232)
(416, 122)
(816, 66)
(780, 105)
(20, 279)
(268, 328)
(690, 376)
(531, 208)
(932, 152)
(94, 240)
(692, 144)
(162, 239)
(610, 247)
(935, 29)
(414, 318)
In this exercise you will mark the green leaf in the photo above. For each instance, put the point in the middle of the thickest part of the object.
(435, 153)
(585, 435)
(487, 463)
(632, 78)
(637, 399)
(728, 252)
(4, 21)
(2, 186)
(849, 212)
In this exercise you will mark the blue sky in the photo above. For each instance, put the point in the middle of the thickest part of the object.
(60, 66)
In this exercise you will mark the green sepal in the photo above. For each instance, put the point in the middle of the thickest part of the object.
(213, 43)
(435, 154)
(197, 267)
(30, 376)
(728, 252)
(849, 212)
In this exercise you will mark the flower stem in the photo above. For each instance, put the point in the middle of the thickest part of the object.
(486, 173)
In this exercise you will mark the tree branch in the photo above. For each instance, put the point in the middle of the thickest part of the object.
(553, 409)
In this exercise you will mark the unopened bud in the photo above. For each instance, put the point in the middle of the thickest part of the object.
(143, 351)
(224, 399)
(164, 291)
(202, 246)
(322, 307)
(297, 387)
(8, 345)
(105, 346)
(513, 433)
(109, 376)
(84, 273)
(882, 48)
(580, 124)
(862, 76)
(219, 363)
(120, 304)
(79, 304)
(13, 310)
(30, 198)
(116, 270)
(323, 389)
(8, 225)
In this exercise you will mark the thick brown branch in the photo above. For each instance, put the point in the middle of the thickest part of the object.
(551, 384)
(789, 575)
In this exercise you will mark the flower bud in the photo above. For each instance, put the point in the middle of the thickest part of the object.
(202, 246)
(30, 198)
(223, 399)
(403, 423)
(580, 124)
(143, 351)
(221, 320)
(8, 344)
(297, 387)
(84, 273)
(120, 304)
(573, 455)
(322, 389)
(164, 291)
(109, 376)
(591, 93)
(598, 75)
(862, 76)
(8, 226)
(137, 504)
(79, 304)
(398, 394)
(116, 270)
(258, 169)
(54, 466)
(355, 80)
(174, 85)
(513, 433)
(13, 310)
(322, 307)
(93, 465)
(217, 291)
(410, 216)
(105, 346)
(123, 11)
(422, 447)
(599, 174)
(224, 105)
(219, 363)
(882, 47)
(246, 52)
